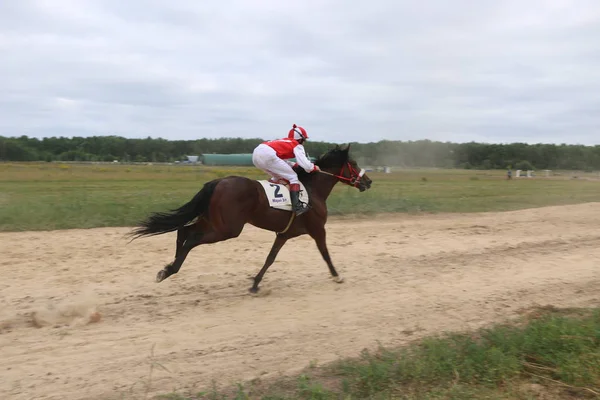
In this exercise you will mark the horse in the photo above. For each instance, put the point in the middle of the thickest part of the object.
(221, 209)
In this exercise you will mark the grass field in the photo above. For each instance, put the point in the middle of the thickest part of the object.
(46, 196)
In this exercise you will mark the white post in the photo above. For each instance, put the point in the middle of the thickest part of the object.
(518, 174)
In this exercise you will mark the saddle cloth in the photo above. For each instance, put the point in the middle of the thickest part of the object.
(279, 194)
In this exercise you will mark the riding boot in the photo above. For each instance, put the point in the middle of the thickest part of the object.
(297, 207)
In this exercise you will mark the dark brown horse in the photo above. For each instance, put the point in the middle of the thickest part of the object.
(223, 206)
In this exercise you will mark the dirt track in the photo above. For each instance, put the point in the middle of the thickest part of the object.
(405, 277)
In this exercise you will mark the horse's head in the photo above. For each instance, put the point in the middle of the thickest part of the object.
(337, 162)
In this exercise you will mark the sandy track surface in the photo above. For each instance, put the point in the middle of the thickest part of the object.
(405, 276)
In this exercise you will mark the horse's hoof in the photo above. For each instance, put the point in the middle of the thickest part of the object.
(262, 293)
(338, 279)
(161, 276)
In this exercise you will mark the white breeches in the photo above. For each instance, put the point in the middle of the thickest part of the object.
(265, 158)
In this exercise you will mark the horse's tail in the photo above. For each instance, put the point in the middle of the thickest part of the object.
(163, 222)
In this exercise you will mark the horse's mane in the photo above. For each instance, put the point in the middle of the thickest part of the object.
(335, 157)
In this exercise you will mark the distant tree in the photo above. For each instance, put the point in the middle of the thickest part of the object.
(421, 153)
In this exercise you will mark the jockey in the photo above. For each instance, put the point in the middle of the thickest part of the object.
(269, 156)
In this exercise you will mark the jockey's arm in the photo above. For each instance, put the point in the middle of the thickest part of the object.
(302, 160)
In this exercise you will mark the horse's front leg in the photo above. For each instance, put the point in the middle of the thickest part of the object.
(277, 245)
(319, 236)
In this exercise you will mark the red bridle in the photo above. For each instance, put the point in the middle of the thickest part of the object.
(355, 175)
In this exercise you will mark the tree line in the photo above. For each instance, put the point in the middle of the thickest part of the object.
(420, 153)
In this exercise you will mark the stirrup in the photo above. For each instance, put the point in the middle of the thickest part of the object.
(300, 209)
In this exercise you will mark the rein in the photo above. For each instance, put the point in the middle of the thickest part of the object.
(352, 181)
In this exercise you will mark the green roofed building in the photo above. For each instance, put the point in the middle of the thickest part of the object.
(227, 159)
(232, 159)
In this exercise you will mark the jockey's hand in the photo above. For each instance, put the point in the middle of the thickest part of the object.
(316, 168)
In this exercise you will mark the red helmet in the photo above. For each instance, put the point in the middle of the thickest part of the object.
(298, 133)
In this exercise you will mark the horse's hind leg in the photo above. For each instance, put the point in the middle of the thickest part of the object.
(195, 238)
(182, 235)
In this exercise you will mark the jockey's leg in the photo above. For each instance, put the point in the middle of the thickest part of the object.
(285, 171)
(264, 158)
(276, 178)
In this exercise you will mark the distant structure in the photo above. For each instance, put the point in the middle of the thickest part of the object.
(227, 159)
(232, 159)
(192, 159)
(529, 173)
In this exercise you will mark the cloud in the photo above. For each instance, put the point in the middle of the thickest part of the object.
(385, 69)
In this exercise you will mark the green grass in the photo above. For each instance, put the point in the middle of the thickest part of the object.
(44, 196)
(555, 352)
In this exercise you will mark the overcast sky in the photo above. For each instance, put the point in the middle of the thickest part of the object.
(490, 71)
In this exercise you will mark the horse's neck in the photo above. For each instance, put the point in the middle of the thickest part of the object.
(323, 184)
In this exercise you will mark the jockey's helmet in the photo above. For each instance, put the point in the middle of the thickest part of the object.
(298, 133)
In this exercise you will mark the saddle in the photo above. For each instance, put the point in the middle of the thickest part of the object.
(278, 194)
